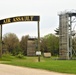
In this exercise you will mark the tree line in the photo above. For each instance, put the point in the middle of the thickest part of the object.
(12, 44)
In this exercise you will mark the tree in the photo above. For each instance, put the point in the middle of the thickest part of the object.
(74, 45)
(43, 45)
(57, 31)
(23, 44)
(11, 42)
(50, 43)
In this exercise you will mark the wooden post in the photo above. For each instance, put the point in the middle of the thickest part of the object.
(38, 41)
(0, 41)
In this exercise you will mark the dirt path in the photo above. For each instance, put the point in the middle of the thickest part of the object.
(15, 70)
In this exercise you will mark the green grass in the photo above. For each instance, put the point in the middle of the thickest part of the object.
(63, 66)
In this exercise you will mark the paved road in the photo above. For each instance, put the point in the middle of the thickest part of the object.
(15, 70)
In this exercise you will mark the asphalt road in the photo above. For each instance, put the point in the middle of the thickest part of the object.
(15, 70)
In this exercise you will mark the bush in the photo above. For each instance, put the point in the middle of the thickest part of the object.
(16, 50)
(20, 56)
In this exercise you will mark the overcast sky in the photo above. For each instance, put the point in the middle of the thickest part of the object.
(47, 9)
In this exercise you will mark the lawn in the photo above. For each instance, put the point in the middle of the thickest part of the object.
(63, 66)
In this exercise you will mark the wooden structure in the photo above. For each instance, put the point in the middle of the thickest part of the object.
(31, 47)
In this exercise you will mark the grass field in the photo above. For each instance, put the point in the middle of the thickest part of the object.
(63, 66)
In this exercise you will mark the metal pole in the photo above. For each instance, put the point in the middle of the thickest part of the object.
(38, 41)
(70, 53)
(0, 40)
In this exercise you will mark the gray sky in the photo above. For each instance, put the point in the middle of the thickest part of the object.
(47, 9)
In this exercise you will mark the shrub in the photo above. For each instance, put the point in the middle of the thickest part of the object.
(20, 55)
